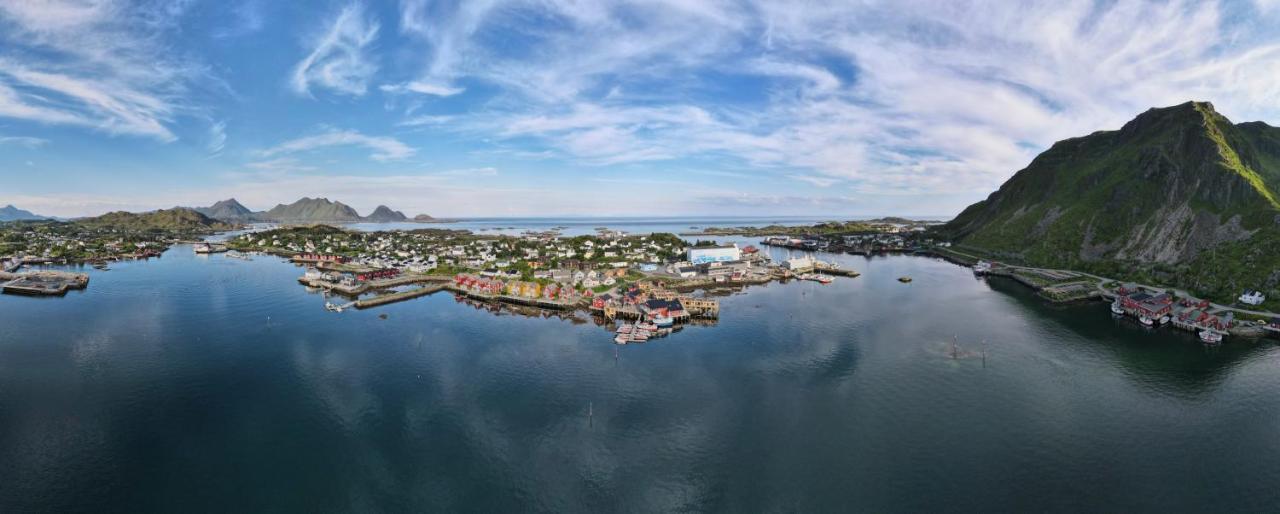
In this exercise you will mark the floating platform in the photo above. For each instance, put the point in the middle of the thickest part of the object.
(43, 283)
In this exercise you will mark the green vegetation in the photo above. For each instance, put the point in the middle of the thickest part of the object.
(1178, 196)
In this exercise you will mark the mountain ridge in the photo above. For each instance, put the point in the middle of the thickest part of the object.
(1163, 198)
(304, 210)
(11, 213)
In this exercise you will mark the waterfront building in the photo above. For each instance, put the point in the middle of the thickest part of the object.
(1147, 305)
(707, 254)
(799, 264)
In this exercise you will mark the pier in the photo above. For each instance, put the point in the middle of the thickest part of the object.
(43, 283)
(398, 297)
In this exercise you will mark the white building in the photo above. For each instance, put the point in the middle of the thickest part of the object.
(1253, 298)
(706, 254)
(799, 264)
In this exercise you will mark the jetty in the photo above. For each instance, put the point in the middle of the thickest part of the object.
(398, 296)
(42, 283)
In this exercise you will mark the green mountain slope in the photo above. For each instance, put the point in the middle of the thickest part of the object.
(177, 219)
(1174, 190)
(228, 210)
(313, 210)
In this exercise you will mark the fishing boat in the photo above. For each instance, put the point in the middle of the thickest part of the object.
(904, 280)
(1115, 308)
(982, 268)
(1164, 320)
(663, 321)
(1210, 337)
(1146, 321)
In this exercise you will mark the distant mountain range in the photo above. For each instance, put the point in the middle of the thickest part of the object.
(1179, 195)
(11, 213)
(306, 210)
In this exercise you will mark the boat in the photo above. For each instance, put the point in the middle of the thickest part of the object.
(1146, 321)
(621, 338)
(904, 280)
(1164, 320)
(663, 321)
(1115, 308)
(982, 268)
(1210, 337)
(100, 266)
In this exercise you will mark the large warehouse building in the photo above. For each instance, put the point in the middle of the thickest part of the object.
(705, 254)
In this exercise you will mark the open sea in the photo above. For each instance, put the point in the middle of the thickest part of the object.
(205, 383)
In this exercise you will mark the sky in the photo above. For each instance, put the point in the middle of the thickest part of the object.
(578, 107)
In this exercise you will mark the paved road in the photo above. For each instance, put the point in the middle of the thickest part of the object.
(1216, 308)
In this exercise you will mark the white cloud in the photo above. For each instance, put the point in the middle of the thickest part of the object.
(340, 60)
(217, 138)
(382, 148)
(895, 98)
(94, 63)
(424, 88)
(24, 141)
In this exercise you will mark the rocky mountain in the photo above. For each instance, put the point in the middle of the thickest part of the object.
(1179, 195)
(176, 219)
(11, 213)
(313, 210)
(229, 210)
(384, 214)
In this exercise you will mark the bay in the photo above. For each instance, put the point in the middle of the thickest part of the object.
(208, 383)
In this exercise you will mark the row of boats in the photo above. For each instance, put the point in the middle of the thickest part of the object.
(816, 277)
(642, 331)
(1211, 337)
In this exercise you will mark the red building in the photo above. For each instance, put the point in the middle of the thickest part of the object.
(1146, 304)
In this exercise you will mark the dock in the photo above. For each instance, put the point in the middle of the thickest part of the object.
(42, 283)
(398, 297)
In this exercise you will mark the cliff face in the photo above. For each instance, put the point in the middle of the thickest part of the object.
(1164, 188)
(1167, 191)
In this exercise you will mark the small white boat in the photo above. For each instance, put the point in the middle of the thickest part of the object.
(1210, 337)
(982, 268)
(663, 321)
(1146, 321)
(1115, 309)
(1164, 320)
(622, 338)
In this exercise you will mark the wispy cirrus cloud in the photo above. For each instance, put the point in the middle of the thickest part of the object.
(28, 142)
(877, 97)
(340, 59)
(422, 88)
(217, 138)
(100, 64)
(381, 148)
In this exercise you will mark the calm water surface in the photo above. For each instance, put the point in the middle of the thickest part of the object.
(207, 383)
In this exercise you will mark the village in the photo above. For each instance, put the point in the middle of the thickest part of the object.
(645, 285)
(33, 246)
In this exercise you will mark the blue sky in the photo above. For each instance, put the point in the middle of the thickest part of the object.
(574, 107)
